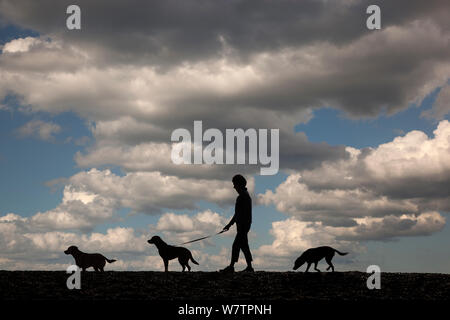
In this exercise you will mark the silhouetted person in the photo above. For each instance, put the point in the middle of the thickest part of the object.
(243, 219)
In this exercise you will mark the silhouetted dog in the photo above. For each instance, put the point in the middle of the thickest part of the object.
(314, 255)
(168, 252)
(86, 260)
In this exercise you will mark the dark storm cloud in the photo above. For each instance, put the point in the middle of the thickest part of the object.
(167, 32)
(319, 53)
(138, 70)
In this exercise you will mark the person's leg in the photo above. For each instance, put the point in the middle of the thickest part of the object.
(240, 243)
(234, 254)
(235, 250)
(246, 250)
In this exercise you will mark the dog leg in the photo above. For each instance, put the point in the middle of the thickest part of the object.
(307, 268)
(166, 265)
(328, 260)
(315, 267)
(183, 262)
(188, 266)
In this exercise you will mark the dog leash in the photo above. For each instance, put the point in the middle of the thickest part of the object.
(212, 235)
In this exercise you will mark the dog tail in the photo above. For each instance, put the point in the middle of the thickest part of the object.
(109, 261)
(192, 259)
(341, 253)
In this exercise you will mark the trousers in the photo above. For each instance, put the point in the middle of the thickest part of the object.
(241, 243)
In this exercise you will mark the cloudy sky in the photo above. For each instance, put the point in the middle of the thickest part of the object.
(86, 118)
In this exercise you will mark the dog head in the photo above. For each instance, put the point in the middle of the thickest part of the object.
(72, 250)
(155, 240)
(298, 263)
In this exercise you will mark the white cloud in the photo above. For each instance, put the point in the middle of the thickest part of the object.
(179, 228)
(115, 240)
(441, 106)
(40, 129)
(378, 193)
(150, 192)
(80, 209)
(11, 217)
(93, 197)
(23, 246)
(174, 222)
(292, 237)
(333, 206)
(369, 228)
(20, 45)
(386, 169)
(401, 157)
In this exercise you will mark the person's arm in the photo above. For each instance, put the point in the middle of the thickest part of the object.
(232, 221)
(237, 213)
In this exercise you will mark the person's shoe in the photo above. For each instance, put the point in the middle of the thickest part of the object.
(248, 269)
(228, 269)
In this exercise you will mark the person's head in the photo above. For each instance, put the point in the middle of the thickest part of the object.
(239, 182)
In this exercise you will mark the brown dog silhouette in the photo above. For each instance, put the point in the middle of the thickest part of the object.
(86, 260)
(168, 252)
(314, 255)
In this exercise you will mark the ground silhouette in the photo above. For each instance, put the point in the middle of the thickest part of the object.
(287, 286)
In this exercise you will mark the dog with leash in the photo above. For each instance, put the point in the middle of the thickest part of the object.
(314, 255)
(168, 252)
(86, 260)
